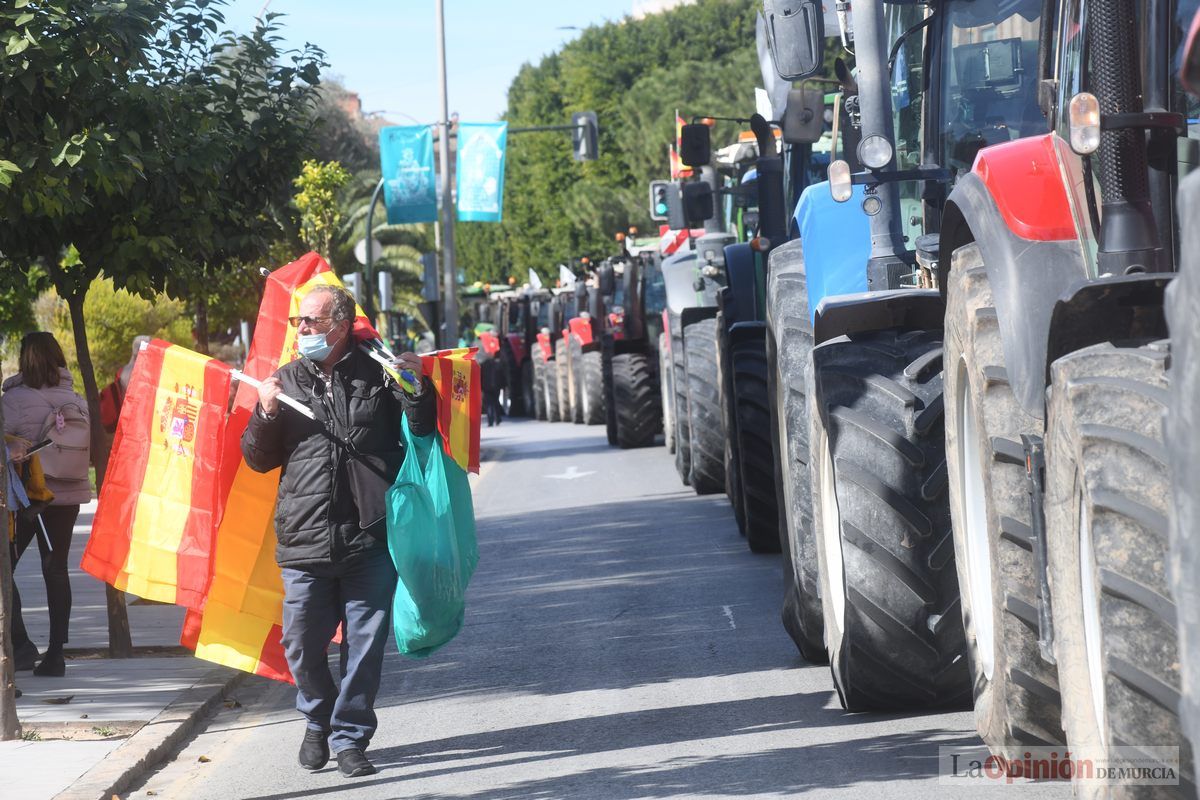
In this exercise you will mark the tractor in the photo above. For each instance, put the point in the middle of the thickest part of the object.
(855, 346)
(518, 327)
(581, 340)
(630, 342)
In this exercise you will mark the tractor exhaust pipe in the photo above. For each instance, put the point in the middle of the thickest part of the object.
(1129, 240)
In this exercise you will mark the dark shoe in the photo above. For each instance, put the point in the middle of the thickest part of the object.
(314, 750)
(52, 666)
(25, 656)
(353, 764)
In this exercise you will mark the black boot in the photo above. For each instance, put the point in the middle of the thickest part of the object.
(314, 750)
(352, 763)
(53, 664)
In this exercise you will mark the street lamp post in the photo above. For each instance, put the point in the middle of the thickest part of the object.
(450, 272)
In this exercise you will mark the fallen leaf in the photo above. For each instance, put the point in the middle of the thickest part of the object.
(83, 716)
(204, 759)
(232, 704)
(58, 701)
(151, 792)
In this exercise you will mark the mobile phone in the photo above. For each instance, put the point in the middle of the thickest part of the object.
(42, 445)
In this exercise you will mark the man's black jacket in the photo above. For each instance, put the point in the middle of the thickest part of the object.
(331, 503)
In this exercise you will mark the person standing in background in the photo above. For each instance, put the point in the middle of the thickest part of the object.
(39, 403)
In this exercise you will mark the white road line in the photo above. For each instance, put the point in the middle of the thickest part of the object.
(728, 612)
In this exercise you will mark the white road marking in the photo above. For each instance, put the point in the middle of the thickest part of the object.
(571, 474)
(728, 612)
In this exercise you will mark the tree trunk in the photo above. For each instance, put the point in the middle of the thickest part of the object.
(119, 643)
(201, 332)
(10, 726)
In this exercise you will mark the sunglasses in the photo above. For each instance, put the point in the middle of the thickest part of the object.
(312, 322)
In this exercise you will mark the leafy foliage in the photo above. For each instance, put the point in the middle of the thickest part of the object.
(317, 202)
(114, 317)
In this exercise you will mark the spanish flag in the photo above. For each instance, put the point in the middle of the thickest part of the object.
(455, 377)
(161, 499)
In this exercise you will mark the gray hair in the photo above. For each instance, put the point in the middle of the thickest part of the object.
(343, 302)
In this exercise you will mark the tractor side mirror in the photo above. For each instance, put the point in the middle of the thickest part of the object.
(804, 117)
(796, 36)
(1189, 73)
(695, 145)
(698, 201)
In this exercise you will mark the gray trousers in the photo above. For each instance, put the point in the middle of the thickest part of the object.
(357, 594)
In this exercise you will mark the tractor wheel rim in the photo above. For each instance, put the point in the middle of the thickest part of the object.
(974, 516)
(1090, 593)
(831, 533)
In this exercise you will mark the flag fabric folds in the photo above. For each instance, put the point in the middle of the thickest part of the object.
(455, 377)
(152, 533)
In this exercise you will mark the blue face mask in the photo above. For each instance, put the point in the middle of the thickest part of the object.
(314, 346)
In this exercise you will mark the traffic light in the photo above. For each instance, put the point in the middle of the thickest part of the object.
(351, 282)
(660, 203)
(585, 137)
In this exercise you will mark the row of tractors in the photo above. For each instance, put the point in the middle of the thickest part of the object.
(934, 333)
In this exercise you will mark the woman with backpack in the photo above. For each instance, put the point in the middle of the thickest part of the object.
(40, 405)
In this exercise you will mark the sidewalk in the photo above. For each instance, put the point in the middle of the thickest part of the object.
(89, 729)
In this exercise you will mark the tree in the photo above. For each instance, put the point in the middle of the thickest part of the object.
(317, 202)
(149, 141)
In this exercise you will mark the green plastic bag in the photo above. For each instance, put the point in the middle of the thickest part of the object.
(431, 536)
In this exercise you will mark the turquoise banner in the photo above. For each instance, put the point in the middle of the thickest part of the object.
(409, 181)
(480, 170)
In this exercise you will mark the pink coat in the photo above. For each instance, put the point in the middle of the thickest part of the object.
(25, 412)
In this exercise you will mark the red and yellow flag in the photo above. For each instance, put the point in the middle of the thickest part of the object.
(455, 377)
(241, 623)
(152, 534)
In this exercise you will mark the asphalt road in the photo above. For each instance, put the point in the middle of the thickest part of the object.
(621, 642)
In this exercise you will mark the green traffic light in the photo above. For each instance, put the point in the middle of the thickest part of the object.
(660, 208)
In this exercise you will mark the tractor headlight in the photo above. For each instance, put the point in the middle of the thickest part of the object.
(875, 152)
(840, 184)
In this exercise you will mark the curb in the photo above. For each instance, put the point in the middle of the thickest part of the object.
(146, 749)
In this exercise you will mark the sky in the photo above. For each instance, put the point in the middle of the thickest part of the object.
(387, 52)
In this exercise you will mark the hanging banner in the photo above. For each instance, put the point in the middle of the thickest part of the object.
(480, 170)
(409, 181)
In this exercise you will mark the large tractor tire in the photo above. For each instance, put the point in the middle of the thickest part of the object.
(756, 462)
(892, 623)
(550, 387)
(666, 393)
(610, 402)
(1107, 504)
(733, 486)
(705, 427)
(1183, 437)
(589, 385)
(635, 400)
(539, 387)
(679, 391)
(515, 384)
(529, 395)
(789, 344)
(563, 361)
(574, 379)
(1183, 449)
(1016, 692)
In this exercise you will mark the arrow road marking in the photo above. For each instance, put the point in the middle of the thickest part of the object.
(571, 474)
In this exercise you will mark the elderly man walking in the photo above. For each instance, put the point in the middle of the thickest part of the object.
(330, 520)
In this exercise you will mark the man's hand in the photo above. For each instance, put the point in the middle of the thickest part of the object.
(268, 395)
(410, 363)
